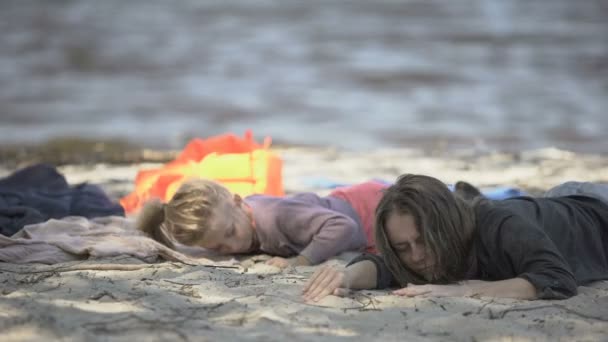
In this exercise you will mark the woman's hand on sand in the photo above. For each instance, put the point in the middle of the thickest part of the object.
(430, 290)
(325, 281)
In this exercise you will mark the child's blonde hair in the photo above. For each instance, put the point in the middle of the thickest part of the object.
(187, 216)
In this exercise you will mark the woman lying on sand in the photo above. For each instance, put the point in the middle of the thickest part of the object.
(436, 244)
(305, 228)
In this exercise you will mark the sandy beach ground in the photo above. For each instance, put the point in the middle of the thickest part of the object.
(124, 299)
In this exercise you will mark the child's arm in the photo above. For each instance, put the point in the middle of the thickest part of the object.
(335, 233)
(315, 232)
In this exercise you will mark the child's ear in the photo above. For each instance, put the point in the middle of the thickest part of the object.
(237, 199)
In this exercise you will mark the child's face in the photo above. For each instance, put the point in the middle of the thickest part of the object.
(232, 230)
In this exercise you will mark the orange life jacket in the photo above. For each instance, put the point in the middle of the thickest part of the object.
(242, 165)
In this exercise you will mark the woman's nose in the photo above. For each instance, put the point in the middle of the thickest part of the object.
(417, 254)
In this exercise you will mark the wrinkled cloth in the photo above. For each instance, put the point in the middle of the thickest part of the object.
(39, 192)
(76, 238)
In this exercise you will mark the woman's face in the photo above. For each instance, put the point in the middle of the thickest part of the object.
(409, 245)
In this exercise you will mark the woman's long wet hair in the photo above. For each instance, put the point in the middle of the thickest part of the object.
(187, 216)
(445, 222)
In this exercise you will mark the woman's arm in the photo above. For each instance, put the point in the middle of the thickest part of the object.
(521, 249)
(517, 288)
(330, 280)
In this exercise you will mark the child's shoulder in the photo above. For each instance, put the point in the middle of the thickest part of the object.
(294, 200)
(371, 188)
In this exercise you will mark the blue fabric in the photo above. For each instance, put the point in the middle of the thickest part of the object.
(38, 193)
(502, 192)
(597, 190)
(494, 193)
(322, 183)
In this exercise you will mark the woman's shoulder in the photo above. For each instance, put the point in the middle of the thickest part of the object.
(512, 219)
(488, 211)
(493, 218)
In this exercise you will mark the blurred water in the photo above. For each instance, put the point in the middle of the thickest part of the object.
(486, 74)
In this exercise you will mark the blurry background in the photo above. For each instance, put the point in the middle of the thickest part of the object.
(356, 74)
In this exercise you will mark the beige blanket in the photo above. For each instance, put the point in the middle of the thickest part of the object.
(76, 238)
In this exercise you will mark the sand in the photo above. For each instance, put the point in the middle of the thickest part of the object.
(123, 299)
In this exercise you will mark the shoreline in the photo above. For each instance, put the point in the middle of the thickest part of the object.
(79, 150)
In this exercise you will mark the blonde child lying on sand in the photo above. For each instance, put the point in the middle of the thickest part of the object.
(303, 229)
(433, 243)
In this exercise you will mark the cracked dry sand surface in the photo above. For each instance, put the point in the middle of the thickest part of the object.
(169, 301)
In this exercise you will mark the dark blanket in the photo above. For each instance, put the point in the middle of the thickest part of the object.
(38, 193)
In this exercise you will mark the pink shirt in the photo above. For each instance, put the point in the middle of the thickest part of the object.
(364, 198)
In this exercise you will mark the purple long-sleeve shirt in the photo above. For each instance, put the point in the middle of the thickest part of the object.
(307, 225)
